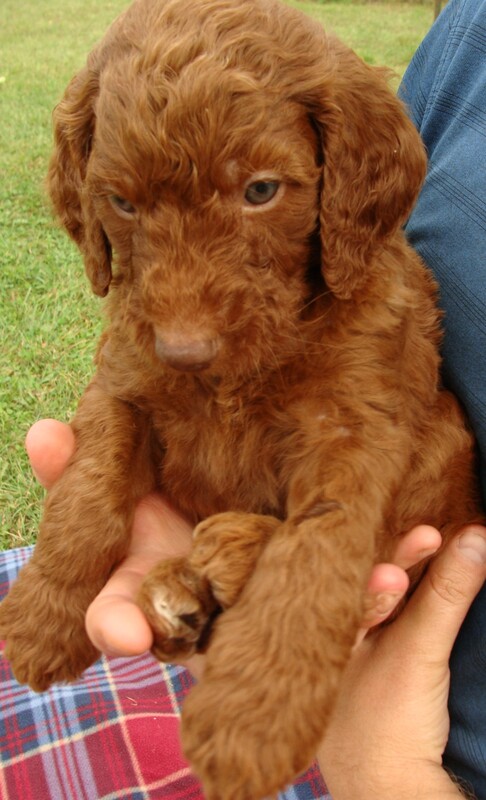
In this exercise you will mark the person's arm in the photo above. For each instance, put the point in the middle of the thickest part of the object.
(391, 724)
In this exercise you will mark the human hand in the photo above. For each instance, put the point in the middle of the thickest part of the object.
(115, 623)
(391, 724)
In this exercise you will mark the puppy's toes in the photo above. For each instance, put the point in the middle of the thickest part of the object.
(46, 642)
(40, 666)
(226, 550)
(237, 752)
(180, 608)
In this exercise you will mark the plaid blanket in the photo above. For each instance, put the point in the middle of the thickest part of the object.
(112, 735)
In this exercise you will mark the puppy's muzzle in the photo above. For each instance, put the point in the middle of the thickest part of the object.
(186, 353)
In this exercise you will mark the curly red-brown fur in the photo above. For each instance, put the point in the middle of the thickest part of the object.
(274, 365)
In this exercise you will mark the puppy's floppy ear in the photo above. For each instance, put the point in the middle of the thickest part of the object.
(74, 121)
(373, 166)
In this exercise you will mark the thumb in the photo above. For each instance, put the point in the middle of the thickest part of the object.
(50, 444)
(441, 601)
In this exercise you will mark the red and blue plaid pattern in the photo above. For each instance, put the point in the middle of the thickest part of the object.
(111, 736)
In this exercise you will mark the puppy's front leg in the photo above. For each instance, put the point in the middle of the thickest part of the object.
(273, 668)
(255, 720)
(84, 533)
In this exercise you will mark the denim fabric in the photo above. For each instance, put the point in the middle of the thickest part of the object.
(445, 90)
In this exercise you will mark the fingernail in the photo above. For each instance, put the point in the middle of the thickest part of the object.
(472, 544)
(384, 604)
(430, 551)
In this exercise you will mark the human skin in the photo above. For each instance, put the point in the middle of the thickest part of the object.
(403, 670)
(401, 666)
(115, 623)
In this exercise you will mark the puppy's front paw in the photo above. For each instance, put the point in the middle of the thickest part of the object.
(180, 607)
(43, 626)
(239, 749)
(254, 721)
(226, 550)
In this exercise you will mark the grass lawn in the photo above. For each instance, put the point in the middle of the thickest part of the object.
(48, 319)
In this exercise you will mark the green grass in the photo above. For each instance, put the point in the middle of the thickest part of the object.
(382, 33)
(49, 321)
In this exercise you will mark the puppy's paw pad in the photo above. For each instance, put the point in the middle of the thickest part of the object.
(180, 608)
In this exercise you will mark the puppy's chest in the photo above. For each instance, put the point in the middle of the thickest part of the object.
(218, 458)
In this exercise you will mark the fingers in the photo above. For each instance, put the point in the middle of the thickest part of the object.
(116, 625)
(421, 542)
(50, 444)
(114, 622)
(440, 603)
(389, 582)
(387, 586)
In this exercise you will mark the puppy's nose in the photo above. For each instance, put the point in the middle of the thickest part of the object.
(188, 354)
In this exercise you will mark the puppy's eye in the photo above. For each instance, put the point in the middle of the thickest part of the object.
(261, 192)
(120, 204)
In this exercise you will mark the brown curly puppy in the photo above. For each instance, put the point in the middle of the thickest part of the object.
(270, 359)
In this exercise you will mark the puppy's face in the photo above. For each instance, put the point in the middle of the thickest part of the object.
(208, 194)
(207, 145)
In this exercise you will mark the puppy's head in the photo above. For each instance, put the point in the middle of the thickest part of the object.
(210, 147)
